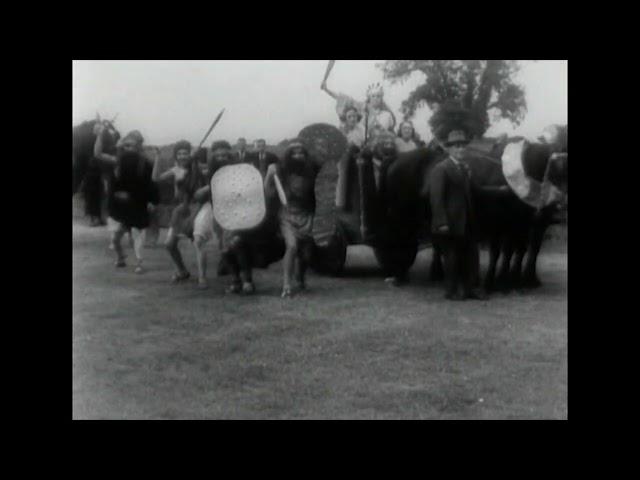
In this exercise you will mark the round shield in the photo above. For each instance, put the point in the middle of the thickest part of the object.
(237, 194)
(324, 141)
(529, 190)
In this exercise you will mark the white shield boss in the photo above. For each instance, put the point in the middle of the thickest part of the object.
(528, 189)
(237, 194)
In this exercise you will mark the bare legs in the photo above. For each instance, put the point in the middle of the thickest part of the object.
(200, 243)
(297, 258)
(138, 244)
(171, 245)
(116, 238)
(288, 264)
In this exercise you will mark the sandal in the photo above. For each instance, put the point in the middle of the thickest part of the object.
(180, 277)
(139, 269)
(248, 288)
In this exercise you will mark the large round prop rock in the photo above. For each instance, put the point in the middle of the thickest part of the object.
(238, 197)
(324, 141)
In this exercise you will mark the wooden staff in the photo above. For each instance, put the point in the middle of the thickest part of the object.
(280, 190)
(328, 71)
(363, 227)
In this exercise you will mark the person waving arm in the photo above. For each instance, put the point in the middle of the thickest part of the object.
(156, 176)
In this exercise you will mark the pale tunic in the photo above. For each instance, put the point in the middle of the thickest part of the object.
(380, 120)
(355, 136)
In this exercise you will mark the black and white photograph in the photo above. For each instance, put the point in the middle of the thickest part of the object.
(319, 239)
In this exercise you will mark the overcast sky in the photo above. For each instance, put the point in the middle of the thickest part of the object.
(171, 100)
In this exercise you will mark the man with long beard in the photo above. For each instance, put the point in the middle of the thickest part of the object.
(205, 226)
(296, 174)
(131, 192)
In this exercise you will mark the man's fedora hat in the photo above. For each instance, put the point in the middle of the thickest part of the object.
(456, 136)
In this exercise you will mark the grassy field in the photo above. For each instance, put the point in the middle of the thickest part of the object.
(349, 348)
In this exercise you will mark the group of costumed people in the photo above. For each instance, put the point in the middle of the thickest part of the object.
(379, 119)
(286, 230)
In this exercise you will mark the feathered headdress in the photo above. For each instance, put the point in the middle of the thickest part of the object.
(375, 90)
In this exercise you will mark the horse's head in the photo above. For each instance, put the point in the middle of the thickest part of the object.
(559, 170)
(556, 136)
(111, 134)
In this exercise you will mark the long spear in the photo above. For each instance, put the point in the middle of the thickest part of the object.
(215, 122)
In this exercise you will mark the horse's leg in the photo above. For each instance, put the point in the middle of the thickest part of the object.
(494, 255)
(507, 254)
(93, 195)
(79, 171)
(436, 271)
(530, 276)
(516, 267)
(474, 259)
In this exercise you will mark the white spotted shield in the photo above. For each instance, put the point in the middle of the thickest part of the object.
(237, 194)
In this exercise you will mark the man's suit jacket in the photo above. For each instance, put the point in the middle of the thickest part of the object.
(452, 201)
(238, 158)
(262, 165)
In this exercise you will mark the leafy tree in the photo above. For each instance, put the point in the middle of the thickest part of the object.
(461, 93)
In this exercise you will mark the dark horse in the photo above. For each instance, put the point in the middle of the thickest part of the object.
(86, 169)
(513, 229)
(399, 220)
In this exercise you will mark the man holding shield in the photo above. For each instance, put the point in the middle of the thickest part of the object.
(249, 228)
(204, 223)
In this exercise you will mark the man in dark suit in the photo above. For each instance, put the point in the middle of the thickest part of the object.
(261, 159)
(241, 154)
(453, 221)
